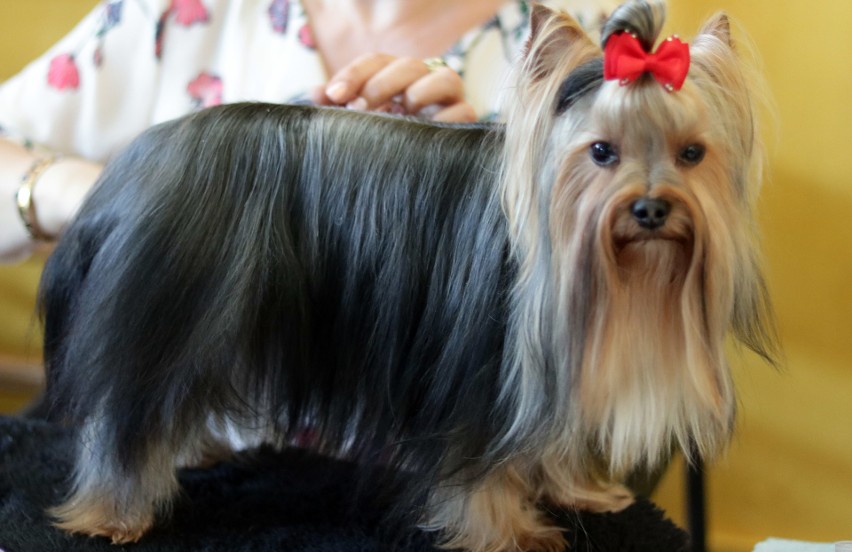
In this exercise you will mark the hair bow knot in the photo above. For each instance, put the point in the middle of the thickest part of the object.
(626, 60)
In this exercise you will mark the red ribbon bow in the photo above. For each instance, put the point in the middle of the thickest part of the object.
(626, 60)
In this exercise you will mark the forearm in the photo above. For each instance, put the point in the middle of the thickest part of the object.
(56, 195)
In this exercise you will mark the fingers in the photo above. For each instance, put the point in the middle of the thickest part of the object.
(393, 80)
(461, 112)
(442, 86)
(381, 82)
(346, 84)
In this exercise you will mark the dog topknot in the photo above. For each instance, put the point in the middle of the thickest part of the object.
(644, 18)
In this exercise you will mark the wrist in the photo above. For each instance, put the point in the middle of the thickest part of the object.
(59, 192)
(24, 196)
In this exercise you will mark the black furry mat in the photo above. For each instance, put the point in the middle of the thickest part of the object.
(289, 501)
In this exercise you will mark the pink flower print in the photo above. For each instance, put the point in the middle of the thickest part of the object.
(279, 12)
(188, 12)
(306, 37)
(63, 72)
(206, 90)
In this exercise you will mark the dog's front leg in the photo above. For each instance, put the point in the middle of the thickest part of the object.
(496, 514)
(577, 487)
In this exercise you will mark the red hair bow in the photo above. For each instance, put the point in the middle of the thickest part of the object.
(626, 60)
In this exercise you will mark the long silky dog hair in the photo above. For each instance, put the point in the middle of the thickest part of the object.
(482, 305)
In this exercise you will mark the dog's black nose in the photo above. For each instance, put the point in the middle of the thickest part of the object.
(651, 213)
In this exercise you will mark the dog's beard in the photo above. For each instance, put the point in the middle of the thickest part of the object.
(650, 377)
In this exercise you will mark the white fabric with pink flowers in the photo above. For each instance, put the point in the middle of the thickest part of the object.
(134, 63)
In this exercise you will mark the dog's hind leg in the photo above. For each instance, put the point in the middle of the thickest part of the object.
(115, 499)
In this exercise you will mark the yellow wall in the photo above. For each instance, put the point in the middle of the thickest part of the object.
(789, 470)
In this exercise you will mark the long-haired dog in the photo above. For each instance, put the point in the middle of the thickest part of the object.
(518, 315)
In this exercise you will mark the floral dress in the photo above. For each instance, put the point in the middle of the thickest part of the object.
(131, 64)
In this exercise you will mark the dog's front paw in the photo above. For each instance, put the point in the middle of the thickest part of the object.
(543, 538)
(609, 498)
(546, 539)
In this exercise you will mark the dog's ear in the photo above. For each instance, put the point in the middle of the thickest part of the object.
(719, 26)
(724, 73)
(714, 52)
(556, 42)
(713, 47)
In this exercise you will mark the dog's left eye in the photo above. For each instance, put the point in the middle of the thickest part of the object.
(691, 154)
(603, 154)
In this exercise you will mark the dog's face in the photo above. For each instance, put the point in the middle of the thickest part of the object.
(604, 145)
(637, 163)
(648, 169)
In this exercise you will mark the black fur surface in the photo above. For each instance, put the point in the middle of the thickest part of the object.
(290, 500)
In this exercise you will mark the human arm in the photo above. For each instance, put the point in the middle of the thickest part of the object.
(82, 100)
(57, 192)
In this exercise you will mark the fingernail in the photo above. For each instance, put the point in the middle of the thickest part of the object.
(337, 91)
(358, 104)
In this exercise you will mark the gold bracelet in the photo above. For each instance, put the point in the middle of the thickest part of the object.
(24, 196)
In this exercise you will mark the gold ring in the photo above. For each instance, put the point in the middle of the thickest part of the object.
(435, 63)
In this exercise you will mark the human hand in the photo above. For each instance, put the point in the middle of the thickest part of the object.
(405, 85)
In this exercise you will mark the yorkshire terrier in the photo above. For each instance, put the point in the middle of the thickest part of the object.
(517, 314)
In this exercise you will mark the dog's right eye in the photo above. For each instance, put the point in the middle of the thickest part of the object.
(603, 154)
(691, 154)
